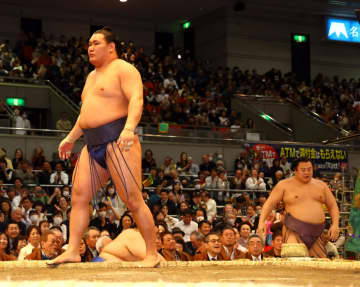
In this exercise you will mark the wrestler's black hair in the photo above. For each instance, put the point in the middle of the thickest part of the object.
(297, 161)
(109, 37)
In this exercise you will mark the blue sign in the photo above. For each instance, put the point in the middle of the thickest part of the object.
(343, 30)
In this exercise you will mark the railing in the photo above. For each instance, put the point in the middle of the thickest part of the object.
(56, 90)
(272, 121)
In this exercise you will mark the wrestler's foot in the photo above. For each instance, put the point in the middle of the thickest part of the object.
(150, 261)
(66, 257)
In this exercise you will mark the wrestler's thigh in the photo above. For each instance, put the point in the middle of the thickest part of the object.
(125, 170)
(84, 179)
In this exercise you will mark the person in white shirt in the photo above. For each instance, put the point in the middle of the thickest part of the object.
(33, 236)
(19, 122)
(210, 205)
(59, 176)
(187, 225)
(286, 166)
(255, 182)
(194, 168)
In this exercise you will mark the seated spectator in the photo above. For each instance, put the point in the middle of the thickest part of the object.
(85, 253)
(45, 173)
(63, 207)
(197, 240)
(204, 227)
(182, 166)
(286, 166)
(238, 181)
(126, 222)
(91, 235)
(212, 252)
(193, 167)
(169, 220)
(40, 212)
(275, 167)
(254, 182)
(101, 222)
(38, 158)
(57, 220)
(164, 196)
(54, 200)
(148, 162)
(21, 242)
(18, 157)
(255, 248)
(228, 241)
(195, 201)
(168, 250)
(200, 215)
(60, 239)
(17, 218)
(181, 248)
(177, 232)
(276, 243)
(168, 165)
(59, 176)
(210, 205)
(44, 225)
(47, 250)
(186, 224)
(6, 174)
(279, 175)
(63, 124)
(207, 164)
(252, 217)
(245, 230)
(26, 205)
(5, 207)
(24, 172)
(33, 238)
(3, 155)
(5, 254)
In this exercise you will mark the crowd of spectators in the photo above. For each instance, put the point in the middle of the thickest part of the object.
(177, 88)
(192, 204)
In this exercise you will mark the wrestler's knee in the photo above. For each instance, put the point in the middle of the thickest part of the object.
(79, 197)
(134, 205)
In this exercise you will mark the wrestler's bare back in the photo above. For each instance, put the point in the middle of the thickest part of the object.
(102, 97)
(304, 201)
(128, 246)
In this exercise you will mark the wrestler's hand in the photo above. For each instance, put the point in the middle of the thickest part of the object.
(65, 148)
(261, 230)
(126, 140)
(334, 232)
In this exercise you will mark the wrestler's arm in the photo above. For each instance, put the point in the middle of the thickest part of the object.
(275, 197)
(76, 132)
(132, 88)
(332, 206)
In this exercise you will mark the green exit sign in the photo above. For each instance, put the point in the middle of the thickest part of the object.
(300, 38)
(16, 102)
(186, 25)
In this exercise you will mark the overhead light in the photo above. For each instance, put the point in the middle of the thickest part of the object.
(123, 1)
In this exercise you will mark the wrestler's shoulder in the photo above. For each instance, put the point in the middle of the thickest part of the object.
(123, 66)
(319, 182)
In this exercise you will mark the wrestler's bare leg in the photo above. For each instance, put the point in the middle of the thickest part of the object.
(128, 185)
(80, 197)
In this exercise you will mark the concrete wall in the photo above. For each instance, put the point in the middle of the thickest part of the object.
(64, 21)
(259, 38)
